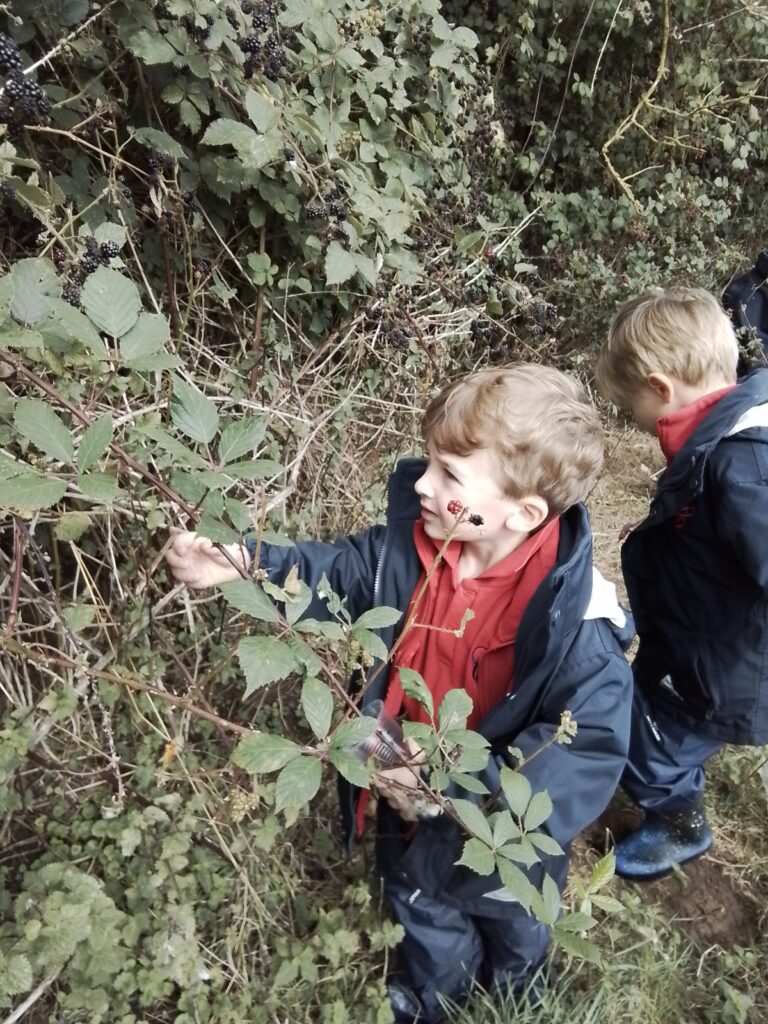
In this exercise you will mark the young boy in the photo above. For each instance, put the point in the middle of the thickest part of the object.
(520, 449)
(697, 568)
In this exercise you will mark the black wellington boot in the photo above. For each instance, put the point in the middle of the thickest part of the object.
(662, 841)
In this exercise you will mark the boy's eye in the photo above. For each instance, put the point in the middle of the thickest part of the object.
(450, 475)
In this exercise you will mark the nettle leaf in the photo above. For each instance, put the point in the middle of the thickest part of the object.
(264, 660)
(415, 687)
(379, 618)
(455, 708)
(517, 790)
(241, 437)
(38, 422)
(298, 782)
(539, 809)
(193, 413)
(149, 335)
(111, 301)
(33, 282)
(94, 442)
(262, 752)
(317, 705)
(248, 596)
(32, 491)
(477, 857)
(474, 819)
(17, 975)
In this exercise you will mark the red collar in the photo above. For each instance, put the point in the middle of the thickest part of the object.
(674, 429)
(502, 570)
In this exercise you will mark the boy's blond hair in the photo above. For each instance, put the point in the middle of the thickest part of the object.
(546, 436)
(682, 332)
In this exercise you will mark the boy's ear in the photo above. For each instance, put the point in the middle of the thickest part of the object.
(530, 512)
(662, 385)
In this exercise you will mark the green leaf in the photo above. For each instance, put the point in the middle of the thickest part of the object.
(517, 790)
(546, 844)
(94, 442)
(262, 110)
(504, 829)
(305, 656)
(215, 530)
(247, 596)
(575, 945)
(298, 782)
(17, 976)
(371, 642)
(253, 469)
(415, 687)
(241, 437)
(79, 616)
(152, 138)
(474, 820)
(65, 323)
(264, 660)
(349, 734)
(317, 705)
(38, 422)
(602, 872)
(193, 413)
(72, 525)
(20, 337)
(522, 852)
(340, 265)
(100, 487)
(379, 618)
(455, 708)
(262, 752)
(576, 922)
(517, 887)
(607, 904)
(296, 604)
(470, 783)
(32, 491)
(546, 904)
(539, 809)
(111, 301)
(33, 282)
(150, 334)
(254, 150)
(350, 767)
(477, 857)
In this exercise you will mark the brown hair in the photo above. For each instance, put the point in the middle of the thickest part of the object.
(537, 421)
(682, 332)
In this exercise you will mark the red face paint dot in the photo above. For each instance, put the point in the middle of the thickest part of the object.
(454, 507)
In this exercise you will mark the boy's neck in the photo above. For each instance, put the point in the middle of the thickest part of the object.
(687, 394)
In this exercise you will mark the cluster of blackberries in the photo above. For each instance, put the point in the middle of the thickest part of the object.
(314, 212)
(23, 101)
(542, 318)
(95, 256)
(162, 13)
(336, 232)
(199, 33)
(474, 295)
(160, 165)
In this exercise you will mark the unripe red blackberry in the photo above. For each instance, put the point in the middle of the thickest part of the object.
(455, 507)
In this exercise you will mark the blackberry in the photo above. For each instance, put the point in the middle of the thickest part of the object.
(260, 22)
(454, 507)
(71, 294)
(59, 258)
(108, 250)
(15, 86)
(209, 20)
(91, 246)
(338, 210)
(232, 17)
(289, 154)
(200, 266)
(475, 519)
(273, 71)
(249, 44)
(314, 212)
(8, 192)
(162, 13)
(249, 68)
(89, 263)
(246, 7)
(10, 58)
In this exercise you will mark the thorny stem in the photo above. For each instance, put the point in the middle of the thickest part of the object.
(256, 341)
(19, 539)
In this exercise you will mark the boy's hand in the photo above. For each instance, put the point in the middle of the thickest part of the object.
(400, 786)
(195, 561)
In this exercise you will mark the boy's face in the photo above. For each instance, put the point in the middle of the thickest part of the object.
(469, 480)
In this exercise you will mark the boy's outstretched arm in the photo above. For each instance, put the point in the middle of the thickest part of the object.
(196, 561)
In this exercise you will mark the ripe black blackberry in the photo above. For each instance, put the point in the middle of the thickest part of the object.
(108, 250)
(260, 22)
(71, 294)
(246, 7)
(313, 212)
(89, 263)
(250, 67)
(7, 192)
(338, 210)
(59, 258)
(232, 17)
(91, 246)
(10, 58)
(249, 44)
(289, 154)
(162, 13)
(273, 71)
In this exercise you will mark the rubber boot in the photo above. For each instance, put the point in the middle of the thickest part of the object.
(405, 1004)
(663, 841)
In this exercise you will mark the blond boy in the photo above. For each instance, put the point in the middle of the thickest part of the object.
(516, 451)
(696, 568)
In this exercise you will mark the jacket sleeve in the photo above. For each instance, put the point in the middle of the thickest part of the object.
(349, 563)
(581, 776)
(740, 475)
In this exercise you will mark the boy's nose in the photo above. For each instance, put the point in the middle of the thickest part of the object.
(422, 486)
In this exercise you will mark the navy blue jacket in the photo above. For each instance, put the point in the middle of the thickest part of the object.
(564, 659)
(697, 575)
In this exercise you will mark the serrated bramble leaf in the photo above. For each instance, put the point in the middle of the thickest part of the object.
(477, 857)
(217, 531)
(317, 705)
(193, 413)
(577, 921)
(149, 335)
(248, 596)
(330, 630)
(350, 767)
(340, 264)
(33, 281)
(253, 469)
(264, 660)
(241, 437)
(349, 734)
(517, 886)
(305, 656)
(262, 110)
(474, 820)
(537, 812)
(100, 487)
(415, 687)
(72, 525)
(546, 844)
(575, 945)
(94, 442)
(470, 783)
(17, 975)
(454, 710)
(262, 752)
(371, 642)
(298, 782)
(546, 903)
(32, 491)
(38, 422)
(378, 618)
(517, 790)
(504, 828)
(111, 301)
(522, 852)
